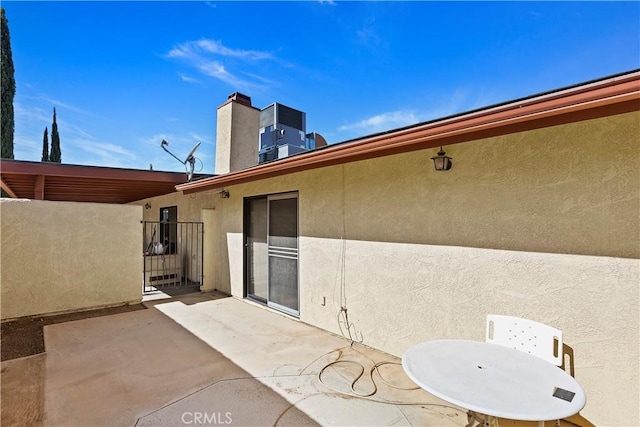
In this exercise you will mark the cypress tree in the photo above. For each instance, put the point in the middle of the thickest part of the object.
(45, 145)
(8, 89)
(56, 154)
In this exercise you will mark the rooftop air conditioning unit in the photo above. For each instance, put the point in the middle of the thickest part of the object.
(268, 154)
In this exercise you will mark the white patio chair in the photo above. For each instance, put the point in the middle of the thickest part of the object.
(525, 335)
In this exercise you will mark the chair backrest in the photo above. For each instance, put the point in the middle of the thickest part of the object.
(526, 335)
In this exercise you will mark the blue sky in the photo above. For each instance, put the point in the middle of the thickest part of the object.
(125, 75)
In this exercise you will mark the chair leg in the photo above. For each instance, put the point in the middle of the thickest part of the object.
(471, 419)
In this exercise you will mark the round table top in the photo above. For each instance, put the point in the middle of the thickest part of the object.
(494, 380)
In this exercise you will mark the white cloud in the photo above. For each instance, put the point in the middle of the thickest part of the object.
(216, 47)
(30, 122)
(455, 102)
(78, 146)
(381, 122)
(155, 140)
(55, 103)
(187, 79)
(198, 137)
(30, 114)
(26, 148)
(218, 71)
(82, 150)
(73, 131)
(104, 150)
(211, 58)
(261, 79)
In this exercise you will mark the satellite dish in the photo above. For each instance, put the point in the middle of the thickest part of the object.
(192, 161)
(193, 150)
(190, 158)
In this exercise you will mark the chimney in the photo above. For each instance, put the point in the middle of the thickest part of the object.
(236, 134)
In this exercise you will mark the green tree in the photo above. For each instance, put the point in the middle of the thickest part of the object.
(8, 89)
(56, 154)
(45, 145)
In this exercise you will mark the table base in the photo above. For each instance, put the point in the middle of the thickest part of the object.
(475, 419)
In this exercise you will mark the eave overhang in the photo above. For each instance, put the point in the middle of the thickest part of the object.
(78, 183)
(611, 96)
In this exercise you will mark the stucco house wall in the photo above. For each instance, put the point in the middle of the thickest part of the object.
(542, 224)
(63, 256)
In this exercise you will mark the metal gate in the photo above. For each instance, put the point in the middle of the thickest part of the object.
(172, 254)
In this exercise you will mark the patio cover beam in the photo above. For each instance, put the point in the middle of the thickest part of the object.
(79, 183)
(88, 172)
(8, 189)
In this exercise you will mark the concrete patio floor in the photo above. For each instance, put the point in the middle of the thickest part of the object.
(205, 359)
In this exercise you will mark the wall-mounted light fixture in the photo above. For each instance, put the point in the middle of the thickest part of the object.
(147, 206)
(224, 194)
(441, 161)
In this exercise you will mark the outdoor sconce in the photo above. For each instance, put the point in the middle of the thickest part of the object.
(441, 161)
(147, 206)
(224, 194)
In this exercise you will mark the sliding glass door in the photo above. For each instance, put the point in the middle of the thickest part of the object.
(271, 243)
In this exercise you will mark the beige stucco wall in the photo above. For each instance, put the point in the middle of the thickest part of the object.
(62, 256)
(541, 224)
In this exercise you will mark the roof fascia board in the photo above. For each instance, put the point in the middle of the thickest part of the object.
(498, 120)
(88, 172)
(622, 83)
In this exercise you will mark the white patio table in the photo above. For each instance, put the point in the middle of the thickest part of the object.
(494, 380)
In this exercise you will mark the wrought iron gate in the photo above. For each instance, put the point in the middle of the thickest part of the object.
(172, 254)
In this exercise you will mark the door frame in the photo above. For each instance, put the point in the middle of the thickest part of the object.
(246, 267)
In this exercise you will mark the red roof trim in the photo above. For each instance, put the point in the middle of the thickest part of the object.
(596, 99)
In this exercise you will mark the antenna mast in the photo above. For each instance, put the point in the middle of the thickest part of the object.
(191, 159)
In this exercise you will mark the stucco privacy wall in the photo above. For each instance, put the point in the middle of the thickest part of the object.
(63, 256)
(541, 224)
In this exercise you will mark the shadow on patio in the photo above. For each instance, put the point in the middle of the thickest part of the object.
(250, 366)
